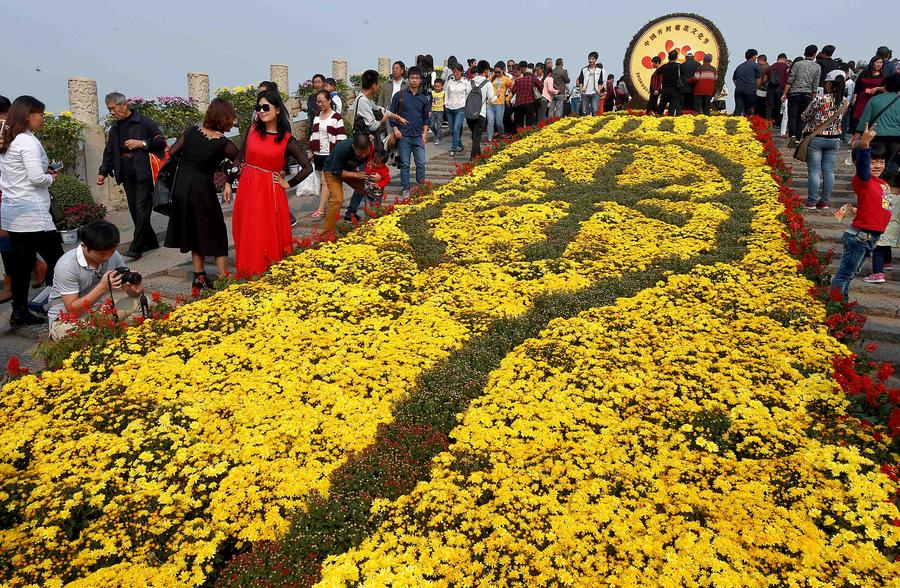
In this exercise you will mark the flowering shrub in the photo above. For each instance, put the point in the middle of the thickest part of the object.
(243, 98)
(172, 114)
(573, 363)
(61, 137)
(92, 331)
(79, 215)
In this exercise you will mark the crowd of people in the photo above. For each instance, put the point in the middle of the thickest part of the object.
(817, 98)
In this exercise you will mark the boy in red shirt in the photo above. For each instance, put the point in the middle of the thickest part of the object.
(873, 211)
(377, 177)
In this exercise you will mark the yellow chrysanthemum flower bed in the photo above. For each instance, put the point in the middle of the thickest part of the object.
(652, 421)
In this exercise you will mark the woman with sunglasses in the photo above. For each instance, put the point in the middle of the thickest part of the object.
(261, 223)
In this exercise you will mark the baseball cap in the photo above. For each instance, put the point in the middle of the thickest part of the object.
(833, 75)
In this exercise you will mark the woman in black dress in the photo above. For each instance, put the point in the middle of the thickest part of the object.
(196, 223)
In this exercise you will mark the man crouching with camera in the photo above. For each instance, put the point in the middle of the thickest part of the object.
(88, 273)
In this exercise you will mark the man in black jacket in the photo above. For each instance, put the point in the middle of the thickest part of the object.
(670, 95)
(131, 140)
(827, 62)
(688, 70)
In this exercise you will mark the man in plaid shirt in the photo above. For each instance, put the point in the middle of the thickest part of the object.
(655, 86)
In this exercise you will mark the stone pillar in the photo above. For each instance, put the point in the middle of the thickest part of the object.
(339, 69)
(84, 105)
(278, 73)
(384, 66)
(198, 89)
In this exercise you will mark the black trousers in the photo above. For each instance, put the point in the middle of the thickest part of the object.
(653, 103)
(140, 204)
(22, 257)
(477, 127)
(797, 103)
(687, 99)
(525, 115)
(773, 105)
(702, 104)
(671, 98)
(509, 126)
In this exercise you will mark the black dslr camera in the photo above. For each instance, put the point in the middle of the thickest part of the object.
(128, 276)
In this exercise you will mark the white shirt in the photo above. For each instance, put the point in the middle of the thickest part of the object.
(455, 93)
(593, 80)
(338, 103)
(24, 182)
(487, 91)
(395, 86)
(73, 275)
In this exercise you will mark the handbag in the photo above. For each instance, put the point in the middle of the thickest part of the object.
(800, 153)
(162, 190)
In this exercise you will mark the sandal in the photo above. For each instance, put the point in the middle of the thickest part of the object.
(201, 280)
(316, 214)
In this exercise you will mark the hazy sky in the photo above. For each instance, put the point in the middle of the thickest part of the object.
(147, 48)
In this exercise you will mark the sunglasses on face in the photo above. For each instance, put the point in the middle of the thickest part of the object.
(263, 107)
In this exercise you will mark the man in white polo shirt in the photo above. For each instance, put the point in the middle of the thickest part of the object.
(86, 274)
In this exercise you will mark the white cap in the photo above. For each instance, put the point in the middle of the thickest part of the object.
(834, 74)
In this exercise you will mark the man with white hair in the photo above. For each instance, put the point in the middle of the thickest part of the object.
(132, 138)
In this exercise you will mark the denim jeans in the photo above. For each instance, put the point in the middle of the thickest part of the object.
(744, 102)
(820, 160)
(857, 246)
(437, 118)
(414, 145)
(576, 106)
(494, 119)
(556, 106)
(590, 104)
(456, 117)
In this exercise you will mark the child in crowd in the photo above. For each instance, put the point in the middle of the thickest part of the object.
(873, 211)
(881, 257)
(378, 175)
(437, 109)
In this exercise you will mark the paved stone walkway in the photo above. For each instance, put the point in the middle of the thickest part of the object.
(170, 272)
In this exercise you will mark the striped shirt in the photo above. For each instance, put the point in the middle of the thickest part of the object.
(326, 133)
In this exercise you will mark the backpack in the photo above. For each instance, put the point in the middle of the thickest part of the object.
(474, 101)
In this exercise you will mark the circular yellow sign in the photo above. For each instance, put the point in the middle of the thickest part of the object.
(685, 33)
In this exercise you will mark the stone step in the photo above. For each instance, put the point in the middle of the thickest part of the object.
(874, 304)
(883, 329)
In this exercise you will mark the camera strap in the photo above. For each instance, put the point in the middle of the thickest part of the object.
(145, 304)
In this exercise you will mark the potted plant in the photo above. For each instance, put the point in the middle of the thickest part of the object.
(77, 216)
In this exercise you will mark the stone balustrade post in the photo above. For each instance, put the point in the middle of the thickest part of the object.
(84, 104)
(198, 89)
(384, 66)
(339, 69)
(278, 73)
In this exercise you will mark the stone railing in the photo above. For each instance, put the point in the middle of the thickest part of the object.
(84, 104)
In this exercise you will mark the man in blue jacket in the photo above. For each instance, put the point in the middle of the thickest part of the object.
(414, 105)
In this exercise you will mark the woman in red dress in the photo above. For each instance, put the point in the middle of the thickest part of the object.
(261, 225)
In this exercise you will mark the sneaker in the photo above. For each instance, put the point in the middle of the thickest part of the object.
(293, 219)
(405, 193)
(22, 317)
(888, 267)
(437, 141)
(809, 206)
(316, 214)
(792, 142)
(874, 279)
(452, 153)
(822, 206)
